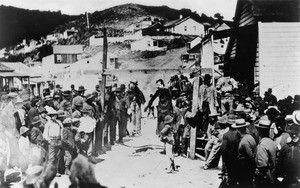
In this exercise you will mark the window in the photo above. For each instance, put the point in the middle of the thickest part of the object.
(185, 28)
(191, 57)
(157, 29)
(111, 60)
(148, 43)
(58, 59)
(155, 43)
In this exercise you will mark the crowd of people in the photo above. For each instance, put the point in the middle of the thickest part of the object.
(42, 136)
(257, 138)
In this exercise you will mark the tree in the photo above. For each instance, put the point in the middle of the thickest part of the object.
(218, 16)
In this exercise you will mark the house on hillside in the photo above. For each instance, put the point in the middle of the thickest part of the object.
(67, 54)
(154, 30)
(36, 87)
(10, 79)
(148, 44)
(185, 26)
(62, 56)
(264, 46)
(69, 32)
(86, 71)
(193, 42)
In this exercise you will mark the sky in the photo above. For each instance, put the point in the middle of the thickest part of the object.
(75, 7)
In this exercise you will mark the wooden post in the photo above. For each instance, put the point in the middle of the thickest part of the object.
(194, 110)
(104, 66)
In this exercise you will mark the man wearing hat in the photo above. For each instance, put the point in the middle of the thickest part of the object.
(166, 136)
(68, 144)
(246, 154)
(24, 144)
(58, 92)
(36, 136)
(66, 104)
(73, 91)
(164, 106)
(80, 96)
(212, 148)
(229, 150)
(77, 109)
(136, 99)
(56, 100)
(207, 99)
(44, 118)
(121, 105)
(265, 156)
(52, 134)
(33, 110)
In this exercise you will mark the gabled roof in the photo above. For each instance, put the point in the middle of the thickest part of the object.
(153, 25)
(195, 49)
(67, 49)
(178, 21)
(4, 68)
(22, 69)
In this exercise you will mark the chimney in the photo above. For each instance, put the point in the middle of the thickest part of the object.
(180, 16)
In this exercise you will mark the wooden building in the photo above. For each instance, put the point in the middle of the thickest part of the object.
(154, 30)
(67, 54)
(185, 26)
(264, 45)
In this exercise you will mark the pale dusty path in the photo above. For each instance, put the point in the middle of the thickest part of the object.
(123, 167)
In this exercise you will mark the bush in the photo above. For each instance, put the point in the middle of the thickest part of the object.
(152, 54)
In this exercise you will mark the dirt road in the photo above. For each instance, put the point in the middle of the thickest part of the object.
(139, 164)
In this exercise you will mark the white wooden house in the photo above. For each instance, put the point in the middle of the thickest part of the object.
(265, 46)
(185, 26)
(148, 44)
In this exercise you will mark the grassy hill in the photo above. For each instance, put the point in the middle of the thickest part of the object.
(17, 24)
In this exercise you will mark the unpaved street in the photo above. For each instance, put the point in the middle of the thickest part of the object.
(124, 167)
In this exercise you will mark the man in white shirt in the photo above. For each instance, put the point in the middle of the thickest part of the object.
(52, 133)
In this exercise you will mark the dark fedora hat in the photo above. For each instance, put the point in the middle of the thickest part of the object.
(81, 88)
(36, 120)
(67, 93)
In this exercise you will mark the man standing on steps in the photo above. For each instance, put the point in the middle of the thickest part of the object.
(164, 105)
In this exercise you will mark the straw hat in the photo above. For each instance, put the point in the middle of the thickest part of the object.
(296, 117)
(231, 119)
(67, 121)
(168, 119)
(51, 111)
(240, 123)
(23, 130)
(263, 123)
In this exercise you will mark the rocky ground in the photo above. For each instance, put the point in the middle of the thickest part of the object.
(139, 163)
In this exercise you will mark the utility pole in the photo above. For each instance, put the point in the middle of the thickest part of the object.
(104, 66)
(87, 20)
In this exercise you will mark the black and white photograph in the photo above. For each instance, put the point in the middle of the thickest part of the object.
(150, 94)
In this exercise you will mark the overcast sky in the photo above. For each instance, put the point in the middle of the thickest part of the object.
(73, 7)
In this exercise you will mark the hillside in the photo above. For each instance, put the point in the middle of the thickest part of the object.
(117, 18)
(17, 24)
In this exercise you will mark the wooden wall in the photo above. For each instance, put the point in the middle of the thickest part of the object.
(279, 58)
